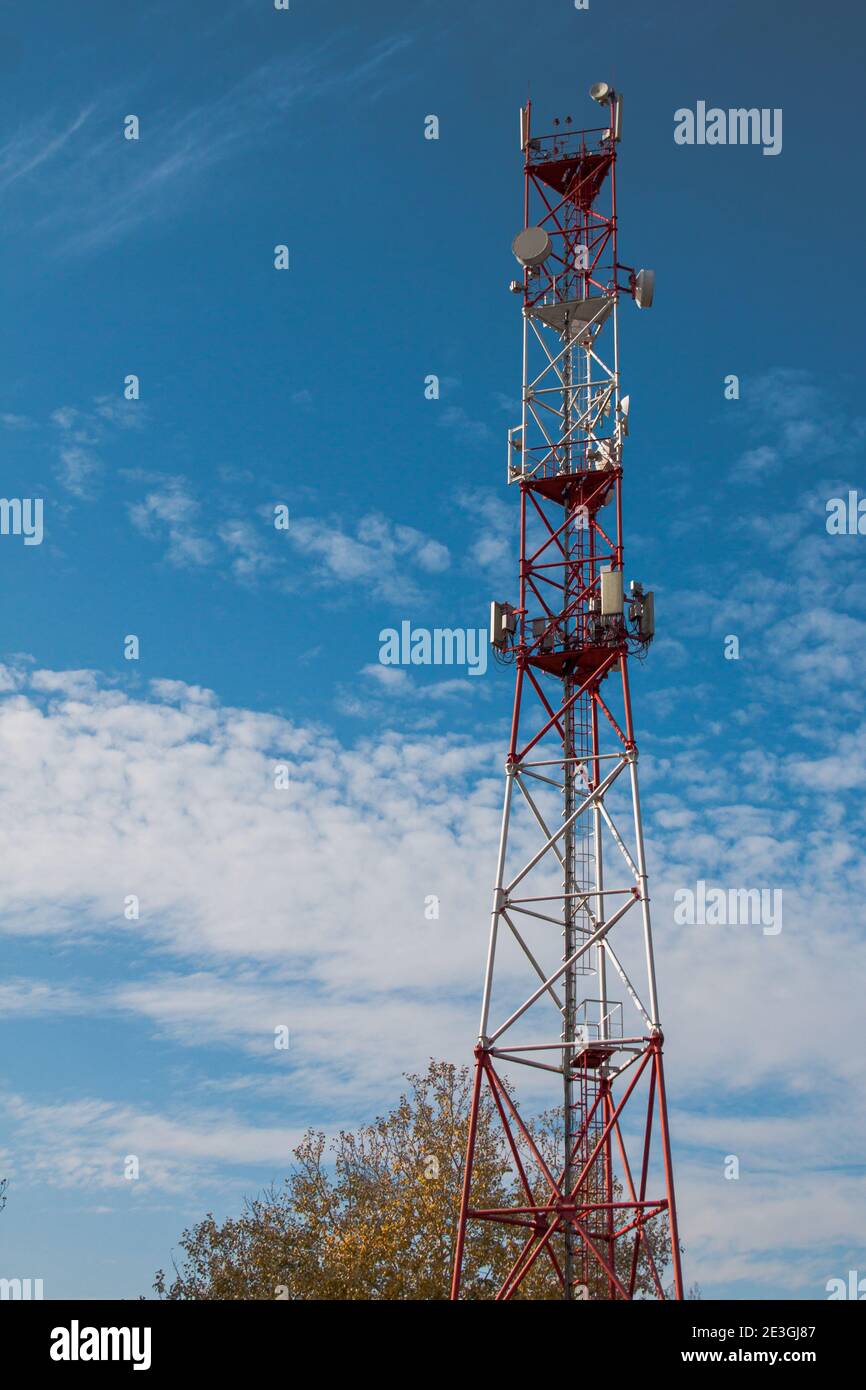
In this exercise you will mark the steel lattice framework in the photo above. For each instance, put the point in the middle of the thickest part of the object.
(571, 900)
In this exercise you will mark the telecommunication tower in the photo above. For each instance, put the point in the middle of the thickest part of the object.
(571, 908)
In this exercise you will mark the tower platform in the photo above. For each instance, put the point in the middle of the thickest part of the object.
(587, 487)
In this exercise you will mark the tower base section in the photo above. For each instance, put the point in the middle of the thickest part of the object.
(581, 1224)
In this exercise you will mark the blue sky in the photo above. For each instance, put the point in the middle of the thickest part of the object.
(306, 388)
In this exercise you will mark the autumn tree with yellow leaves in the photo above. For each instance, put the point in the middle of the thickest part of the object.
(373, 1215)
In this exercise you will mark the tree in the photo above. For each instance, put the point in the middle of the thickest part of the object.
(373, 1216)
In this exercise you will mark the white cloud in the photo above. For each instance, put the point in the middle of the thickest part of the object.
(378, 556)
(494, 548)
(786, 405)
(754, 464)
(783, 1231)
(305, 908)
(455, 418)
(391, 677)
(171, 512)
(85, 1143)
(260, 874)
(399, 683)
(10, 678)
(245, 542)
(83, 433)
(117, 410)
(78, 469)
(35, 997)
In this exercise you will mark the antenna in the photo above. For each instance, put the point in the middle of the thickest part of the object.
(644, 288)
(532, 246)
(570, 921)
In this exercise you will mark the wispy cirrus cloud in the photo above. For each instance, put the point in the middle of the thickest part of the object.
(790, 416)
(34, 145)
(105, 186)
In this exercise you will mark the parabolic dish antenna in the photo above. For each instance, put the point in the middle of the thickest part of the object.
(531, 246)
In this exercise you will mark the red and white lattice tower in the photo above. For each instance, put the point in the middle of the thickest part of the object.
(571, 911)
